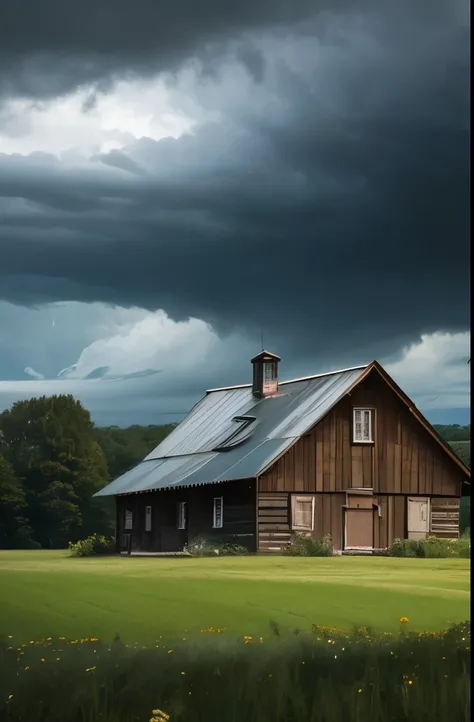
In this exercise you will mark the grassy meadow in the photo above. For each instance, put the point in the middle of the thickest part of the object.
(342, 639)
(44, 593)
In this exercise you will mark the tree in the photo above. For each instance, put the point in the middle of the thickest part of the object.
(49, 443)
(14, 528)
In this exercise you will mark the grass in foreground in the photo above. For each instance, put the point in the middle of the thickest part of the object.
(46, 593)
(327, 676)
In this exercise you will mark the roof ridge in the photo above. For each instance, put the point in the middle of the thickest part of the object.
(292, 381)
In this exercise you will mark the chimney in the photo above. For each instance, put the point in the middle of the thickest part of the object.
(265, 374)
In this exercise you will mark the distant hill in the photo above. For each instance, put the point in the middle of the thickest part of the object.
(463, 450)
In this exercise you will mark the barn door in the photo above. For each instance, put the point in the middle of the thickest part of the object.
(418, 517)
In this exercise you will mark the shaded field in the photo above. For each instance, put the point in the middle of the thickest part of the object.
(46, 593)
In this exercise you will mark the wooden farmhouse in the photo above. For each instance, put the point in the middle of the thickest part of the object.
(345, 453)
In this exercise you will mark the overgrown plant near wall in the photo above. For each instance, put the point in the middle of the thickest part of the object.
(204, 547)
(95, 544)
(304, 546)
(431, 548)
(327, 676)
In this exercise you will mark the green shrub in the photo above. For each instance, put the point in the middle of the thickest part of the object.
(328, 675)
(430, 548)
(95, 544)
(304, 546)
(206, 547)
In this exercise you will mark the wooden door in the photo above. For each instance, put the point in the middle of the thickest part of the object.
(418, 517)
(359, 529)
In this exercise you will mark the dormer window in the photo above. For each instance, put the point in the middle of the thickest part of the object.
(363, 426)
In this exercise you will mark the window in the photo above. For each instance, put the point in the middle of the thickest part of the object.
(268, 372)
(362, 426)
(302, 513)
(148, 518)
(218, 515)
(128, 519)
(182, 515)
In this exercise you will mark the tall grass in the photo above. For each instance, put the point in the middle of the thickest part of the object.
(326, 676)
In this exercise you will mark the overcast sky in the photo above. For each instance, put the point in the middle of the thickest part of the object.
(177, 176)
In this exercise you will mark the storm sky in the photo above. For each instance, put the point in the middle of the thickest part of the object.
(179, 178)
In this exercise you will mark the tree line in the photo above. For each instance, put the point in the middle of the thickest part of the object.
(53, 459)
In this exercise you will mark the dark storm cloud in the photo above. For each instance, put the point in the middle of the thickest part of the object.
(52, 46)
(335, 217)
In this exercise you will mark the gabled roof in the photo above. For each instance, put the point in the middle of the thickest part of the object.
(229, 434)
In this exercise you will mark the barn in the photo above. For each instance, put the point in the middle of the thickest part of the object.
(344, 453)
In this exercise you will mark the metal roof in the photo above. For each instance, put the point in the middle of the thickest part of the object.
(188, 455)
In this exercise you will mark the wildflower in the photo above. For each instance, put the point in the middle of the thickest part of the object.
(57, 659)
(359, 691)
(90, 669)
(170, 651)
(10, 636)
(10, 696)
(183, 673)
(61, 637)
(42, 659)
(404, 620)
(26, 668)
(159, 716)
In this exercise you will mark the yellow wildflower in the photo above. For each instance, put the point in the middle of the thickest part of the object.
(10, 636)
(26, 668)
(359, 691)
(182, 672)
(10, 696)
(170, 651)
(159, 716)
(404, 620)
(90, 669)
(42, 659)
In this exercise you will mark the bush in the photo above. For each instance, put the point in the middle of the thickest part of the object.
(304, 546)
(95, 544)
(430, 548)
(327, 676)
(206, 547)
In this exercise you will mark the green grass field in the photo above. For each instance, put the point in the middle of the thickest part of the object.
(46, 593)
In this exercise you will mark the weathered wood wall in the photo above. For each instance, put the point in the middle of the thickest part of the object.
(274, 511)
(239, 518)
(404, 458)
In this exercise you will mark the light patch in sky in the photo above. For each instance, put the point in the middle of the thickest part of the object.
(140, 366)
(88, 121)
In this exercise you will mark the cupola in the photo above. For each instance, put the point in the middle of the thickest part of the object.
(265, 374)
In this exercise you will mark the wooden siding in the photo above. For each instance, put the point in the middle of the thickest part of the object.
(404, 458)
(444, 520)
(239, 516)
(274, 529)
(273, 522)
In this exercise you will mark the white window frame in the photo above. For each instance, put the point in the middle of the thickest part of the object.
(216, 523)
(128, 525)
(362, 410)
(182, 515)
(148, 518)
(298, 499)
